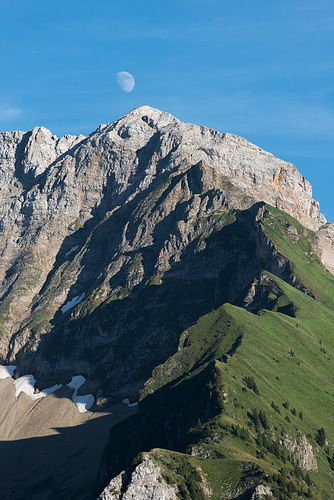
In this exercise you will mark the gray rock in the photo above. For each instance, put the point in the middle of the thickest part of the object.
(261, 492)
(146, 483)
(302, 452)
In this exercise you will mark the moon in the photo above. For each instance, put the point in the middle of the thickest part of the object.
(125, 81)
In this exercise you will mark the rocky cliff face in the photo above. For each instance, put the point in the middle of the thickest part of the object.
(85, 221)
(326, 245)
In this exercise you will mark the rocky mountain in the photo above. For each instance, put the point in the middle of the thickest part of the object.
(145, 257)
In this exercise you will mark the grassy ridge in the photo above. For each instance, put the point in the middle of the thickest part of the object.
(201, 397)
(218, 414)
(291, 369)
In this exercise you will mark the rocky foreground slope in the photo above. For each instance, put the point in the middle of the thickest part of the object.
(114, 245)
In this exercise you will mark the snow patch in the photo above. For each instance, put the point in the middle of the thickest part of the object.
(83, 402)
(27, 383)
(76, 383)
(6, 371)
(50, 390)
(73, 249)
(72, 303)
(126, 401)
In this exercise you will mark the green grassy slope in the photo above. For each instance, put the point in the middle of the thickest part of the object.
(219, 414)
(297, 243)
(290, 361)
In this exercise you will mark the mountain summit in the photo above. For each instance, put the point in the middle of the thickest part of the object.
(148, 259)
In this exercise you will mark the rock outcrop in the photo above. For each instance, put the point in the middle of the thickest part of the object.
(146, 482)
(326, 245)
(302, 452)
(261, 492)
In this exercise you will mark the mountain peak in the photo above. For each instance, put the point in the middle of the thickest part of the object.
(149, 142)
(158, 135)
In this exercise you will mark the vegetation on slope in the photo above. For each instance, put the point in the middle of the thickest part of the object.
(297, 243)
(248, 398)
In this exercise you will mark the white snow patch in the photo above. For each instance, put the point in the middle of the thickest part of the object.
(72, 303)
(6, 371)
(49, 390)
(76, 382)
(73, 249)
(83, 402)
(126, 401)
(27, 383)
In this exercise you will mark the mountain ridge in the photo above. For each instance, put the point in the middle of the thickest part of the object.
(130, 125)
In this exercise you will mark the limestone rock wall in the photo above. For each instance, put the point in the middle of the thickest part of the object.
(326, 245)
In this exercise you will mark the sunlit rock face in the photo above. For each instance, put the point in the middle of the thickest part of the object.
(146, 481)
(326, 245)
(88, 220)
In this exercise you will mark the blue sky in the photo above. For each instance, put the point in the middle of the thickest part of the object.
(262, 69)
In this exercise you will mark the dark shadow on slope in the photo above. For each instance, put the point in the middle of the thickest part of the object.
(61, 466)
(122, 340)
(174, 418)
(25, 179)
(28, 180)
(288, 310)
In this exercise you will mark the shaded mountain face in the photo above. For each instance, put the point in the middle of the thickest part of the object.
(143, 257)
